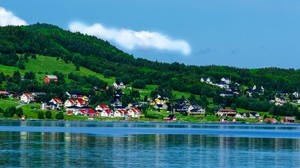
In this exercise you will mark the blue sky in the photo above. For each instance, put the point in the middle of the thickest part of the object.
(240, 33)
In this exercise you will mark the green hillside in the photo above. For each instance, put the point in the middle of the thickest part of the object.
(82, 62)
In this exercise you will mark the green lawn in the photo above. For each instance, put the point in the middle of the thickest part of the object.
(6, 103)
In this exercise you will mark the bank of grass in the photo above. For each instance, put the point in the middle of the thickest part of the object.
(6, 103)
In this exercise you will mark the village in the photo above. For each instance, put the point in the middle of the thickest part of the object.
(77, 104)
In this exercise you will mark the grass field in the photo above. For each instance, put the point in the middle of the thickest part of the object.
(6, 103)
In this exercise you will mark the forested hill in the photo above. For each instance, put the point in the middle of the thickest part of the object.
(102, 57)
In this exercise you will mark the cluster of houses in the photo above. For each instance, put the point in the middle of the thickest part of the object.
(223, 113)
(78, 104)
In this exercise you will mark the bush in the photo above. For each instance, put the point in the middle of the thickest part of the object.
(48, 114)
(41, 115)
(59, 116)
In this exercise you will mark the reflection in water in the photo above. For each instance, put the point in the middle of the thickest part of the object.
(36, 149)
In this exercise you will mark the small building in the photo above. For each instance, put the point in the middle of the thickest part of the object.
(50, 78)
(134, 113)
(270, 120)
(57, 102)
(120, 113)
(27, 98)
(196, 110)
(226, 112)
(288, 119)
(70, 102)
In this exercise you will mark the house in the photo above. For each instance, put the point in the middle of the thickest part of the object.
(120, 113)
(104, 110)
(255, 90)
(4, 93)
(87, 111)
(101, 107)
(181, 108)
(106, 113)
(226, 80)
(159, 102)
(27, 98)
(223, 85)
(119, 85)
(240, 115)
(117, 104)
(270, 120)
(81, 103)
(288, 119)
(57, 102)
(226, 112)
(196, 110)
(134, 112)
(70, 102)
(72, 110)
(279, 101)
(253, 115)
(50, 78)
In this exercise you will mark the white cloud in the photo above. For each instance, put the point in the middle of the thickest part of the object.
(131, 40)
(8, 18)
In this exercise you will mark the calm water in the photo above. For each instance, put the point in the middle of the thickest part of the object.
(107, 144)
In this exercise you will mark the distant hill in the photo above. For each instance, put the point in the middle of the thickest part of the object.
(100, 56)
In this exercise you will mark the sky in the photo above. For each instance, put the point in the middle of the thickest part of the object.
(239, 33)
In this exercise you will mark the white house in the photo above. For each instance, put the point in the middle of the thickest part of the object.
(226, 80)
(27, 98)
(106, 113)
(70, 102)
(120, 113)
(57, 102)
(134, 112)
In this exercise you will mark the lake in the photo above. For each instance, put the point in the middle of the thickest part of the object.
(125, 144)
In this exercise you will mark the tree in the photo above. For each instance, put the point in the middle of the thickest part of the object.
(41, 115)
(108, 73)
(48, 114)
(141, 84)
(19, 112)
(192, 99)
(59, 116)
(77, 67)
(29, 75)
(16, 77)
(9, 112)
(21, 65)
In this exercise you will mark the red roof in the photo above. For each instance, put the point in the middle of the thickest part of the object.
(80, 101)
(4, 92)
(57, 100)
(88, 111)
(108, 111)
(135, 110)
(73, 101)
(103, 106)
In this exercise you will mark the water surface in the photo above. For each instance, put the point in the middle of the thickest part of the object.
(119, 144)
